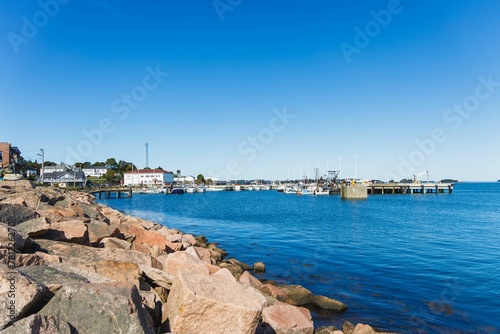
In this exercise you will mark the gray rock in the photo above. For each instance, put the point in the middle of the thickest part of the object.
(15, 214)
(347, 327)
(78, 254)
(101, 308)
(259, 267)
(34, 227)
(38, 324)
(329, 304)
(114, 243)
(28, 295)
(11, 238)
(51, 277)
(297, 294)
(100, 230)
(327, 330)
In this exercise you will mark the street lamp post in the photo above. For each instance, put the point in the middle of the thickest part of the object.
(43, 159)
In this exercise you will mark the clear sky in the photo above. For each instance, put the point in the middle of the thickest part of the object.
(235, 88)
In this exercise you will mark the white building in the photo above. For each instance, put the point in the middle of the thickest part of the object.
(95, 171)
(147, 177)
(55, 169)
(185, 179)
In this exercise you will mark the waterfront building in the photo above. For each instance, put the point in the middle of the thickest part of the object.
(10, 157)
(95, 171)
(65, 178)
(147, 177)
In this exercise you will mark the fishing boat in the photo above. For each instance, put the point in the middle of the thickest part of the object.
(191, 189)
(177, 191)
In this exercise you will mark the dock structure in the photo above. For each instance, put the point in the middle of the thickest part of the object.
(409, 188)
(353, 191)
(107, 192)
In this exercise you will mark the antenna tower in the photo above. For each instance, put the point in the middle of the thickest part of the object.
(147, 155)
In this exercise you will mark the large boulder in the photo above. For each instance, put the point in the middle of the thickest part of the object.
(79, 254)
(363, 329)
(15, 214)
(100, 230)
(212, 304)
(100, 308)
(249, 280)
(19, 294)
(156, 277)
(181, 261)
(273, 291)
(297, 294)
(117, 270)
(12, 239)
(71, 230)
(38, 324)
(328, 330)
(114, 243)
(17, 184)
(34, 227)
(288, 319)
(329, 303)
(51, 277)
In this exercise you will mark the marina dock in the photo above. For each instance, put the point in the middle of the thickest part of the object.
(107, 192)
(409, 188)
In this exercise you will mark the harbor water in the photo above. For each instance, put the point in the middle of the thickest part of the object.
(406, 263)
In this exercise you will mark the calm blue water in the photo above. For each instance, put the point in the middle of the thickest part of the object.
(408, 263)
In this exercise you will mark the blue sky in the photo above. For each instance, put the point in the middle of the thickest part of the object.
(256, 88)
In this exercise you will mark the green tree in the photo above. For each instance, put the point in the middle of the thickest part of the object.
(200, 179)
(110, 175)
(111, 163)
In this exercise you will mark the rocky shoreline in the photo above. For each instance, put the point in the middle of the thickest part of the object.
(70, 265)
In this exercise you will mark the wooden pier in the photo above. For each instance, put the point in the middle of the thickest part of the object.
(409, 188)
(108, 191)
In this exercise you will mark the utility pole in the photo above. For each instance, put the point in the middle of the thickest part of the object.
(340, 168)
(43, 160)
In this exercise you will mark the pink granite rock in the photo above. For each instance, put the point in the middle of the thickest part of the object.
(212, 304)
(247, 279)
(288, 319)
(363, 329)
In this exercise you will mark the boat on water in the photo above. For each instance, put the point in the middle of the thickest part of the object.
(265, 187)
(212, 188)
(177, 191)
(200, 189)
(153, 190)
(237, 187)
(320, 191)
(190, 189)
